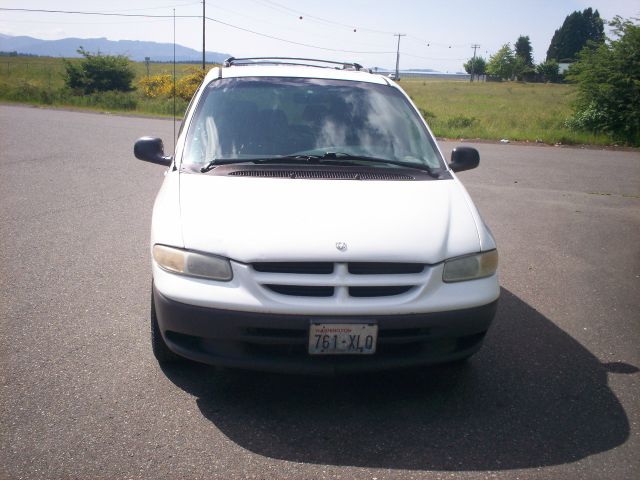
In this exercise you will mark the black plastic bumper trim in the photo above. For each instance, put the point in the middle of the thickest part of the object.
(241, 339)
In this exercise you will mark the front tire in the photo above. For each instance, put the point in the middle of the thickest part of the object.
(158, 345)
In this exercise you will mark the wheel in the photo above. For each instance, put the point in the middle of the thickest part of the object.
(160, 350)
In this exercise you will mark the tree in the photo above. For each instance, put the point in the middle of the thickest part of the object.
(576, 31)
(99, 73)
(475, 66)
(608, 80)
(520, 70)
(523, 50)
(501, 63)
(523, 59)
(549, 70)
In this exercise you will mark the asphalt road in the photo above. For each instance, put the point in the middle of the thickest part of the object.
(554, 393)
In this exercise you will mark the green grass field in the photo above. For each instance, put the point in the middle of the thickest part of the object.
(48, 71)
(40, 81)
(454, 109)
(490, 110)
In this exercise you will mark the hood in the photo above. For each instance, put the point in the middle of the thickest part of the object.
(258, 219)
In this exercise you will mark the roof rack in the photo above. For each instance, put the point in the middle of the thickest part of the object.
(292, 61)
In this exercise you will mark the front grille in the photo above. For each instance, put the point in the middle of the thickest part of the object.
(382, 268)
(294, 267)
(356, 268)
(386, 291)
(302, 290)
(340, 281)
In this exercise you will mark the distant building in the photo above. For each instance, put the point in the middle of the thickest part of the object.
(563, 67)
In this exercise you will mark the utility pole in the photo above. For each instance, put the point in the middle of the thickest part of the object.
(398, 54)
(473, 62)
(204, 3)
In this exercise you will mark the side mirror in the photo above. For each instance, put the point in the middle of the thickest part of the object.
(464, 158)
(151, 149)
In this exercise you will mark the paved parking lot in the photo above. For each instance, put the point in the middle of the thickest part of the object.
(554, 393)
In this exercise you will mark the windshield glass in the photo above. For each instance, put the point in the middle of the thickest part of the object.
(250, 117)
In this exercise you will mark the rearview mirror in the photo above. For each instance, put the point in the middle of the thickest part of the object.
(151, 149)
(464, 158)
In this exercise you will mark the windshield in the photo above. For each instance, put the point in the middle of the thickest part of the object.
(249, 117)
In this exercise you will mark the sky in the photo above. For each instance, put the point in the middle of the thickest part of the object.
(439, 34)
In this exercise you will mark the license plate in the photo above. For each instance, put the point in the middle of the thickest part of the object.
(342, 338)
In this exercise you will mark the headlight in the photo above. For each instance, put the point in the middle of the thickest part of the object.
(176, 260)
(469, 267)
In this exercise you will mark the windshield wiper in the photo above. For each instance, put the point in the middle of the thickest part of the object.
(348, 156)
(314, 158)
(283, 158)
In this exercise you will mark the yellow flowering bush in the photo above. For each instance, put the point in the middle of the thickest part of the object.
(161, 86)
(157, 86)
(187, 85)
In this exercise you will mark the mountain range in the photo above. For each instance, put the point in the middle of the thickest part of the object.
(134, 49)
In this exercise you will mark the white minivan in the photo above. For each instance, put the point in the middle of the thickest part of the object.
(309, 223)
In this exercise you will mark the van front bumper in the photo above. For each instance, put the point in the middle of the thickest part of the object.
(279, 342)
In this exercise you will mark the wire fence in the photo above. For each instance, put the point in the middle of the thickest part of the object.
(11, 67)
(463, 77)
(53, 71)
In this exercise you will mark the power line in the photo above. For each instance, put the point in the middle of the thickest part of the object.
(278, 6)
(100, 14)
(282, 8)
(268, 3)
(280, 26)
(221, 22)
(436, 44)
(431, 58)
(294, 42)
(122, 22)
(152, 8)
(140, 15)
